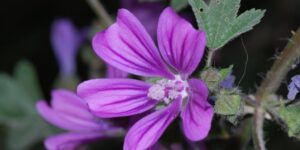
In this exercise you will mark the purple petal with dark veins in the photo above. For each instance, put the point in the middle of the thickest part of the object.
(127, 46)
(198, 113)
(181, 45)
(116, 97)
(145, 133)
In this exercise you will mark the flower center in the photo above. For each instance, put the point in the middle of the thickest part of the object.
(167, 90)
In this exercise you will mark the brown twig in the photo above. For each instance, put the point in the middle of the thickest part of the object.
(269, 86)
(100, 11)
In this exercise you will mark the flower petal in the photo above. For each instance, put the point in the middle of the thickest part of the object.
(71, 141)
(127, 46)
(116, 97)
(65, 40)
(65, 121)
(112, 72)
(146, 132)
(66, 102)
(294, 87)
(180, 44)
(198, 113)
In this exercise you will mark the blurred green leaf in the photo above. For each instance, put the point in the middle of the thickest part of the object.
(179, 4)
(18, 94)
(13, 100)
(27, 132)
(290, 115)
(27, 78)
(220, 21)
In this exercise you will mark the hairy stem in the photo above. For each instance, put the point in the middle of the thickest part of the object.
(281, 66)
(270, 85)
(210, 57)
(100, 11)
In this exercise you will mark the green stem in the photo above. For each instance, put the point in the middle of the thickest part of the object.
(210, 57)
(100, 11)
(270, 85)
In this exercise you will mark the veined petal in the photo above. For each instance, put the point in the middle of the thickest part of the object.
(127, 46)
(71, 141)
(198, 113)
(66, 102)
(65, 121)
(116, 97)
(112, 72)
(180, 44)
(146, 132)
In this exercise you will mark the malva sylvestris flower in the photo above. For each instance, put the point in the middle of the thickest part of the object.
(228, 82)
(71, 113)
(294, 87)
(127, 46)
(66, 40)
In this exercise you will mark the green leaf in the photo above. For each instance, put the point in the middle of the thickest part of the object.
(220, 21)
(227, 103)
(179, 4)
(27, 132)
(26, 77)
(18, 115)
(290, 115)
(13, 100)
(225, 72)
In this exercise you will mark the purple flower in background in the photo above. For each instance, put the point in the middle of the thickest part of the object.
(228, 82)
(66, 41)
(71, 113)
(127, 46)
(147, 12)
(294, 87)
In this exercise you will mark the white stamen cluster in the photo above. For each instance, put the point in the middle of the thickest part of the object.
(156, 92)
(167, 90)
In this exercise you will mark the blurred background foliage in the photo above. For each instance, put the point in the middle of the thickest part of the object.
(25, 35)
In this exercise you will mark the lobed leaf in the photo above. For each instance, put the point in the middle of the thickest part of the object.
(220, 21)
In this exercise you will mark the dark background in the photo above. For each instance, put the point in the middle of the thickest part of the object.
(25, 28)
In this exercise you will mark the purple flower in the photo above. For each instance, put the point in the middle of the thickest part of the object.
(228, 82)
(146, 12)
(127, 46)
(294, 87)
(66, 41)
(71, 113)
